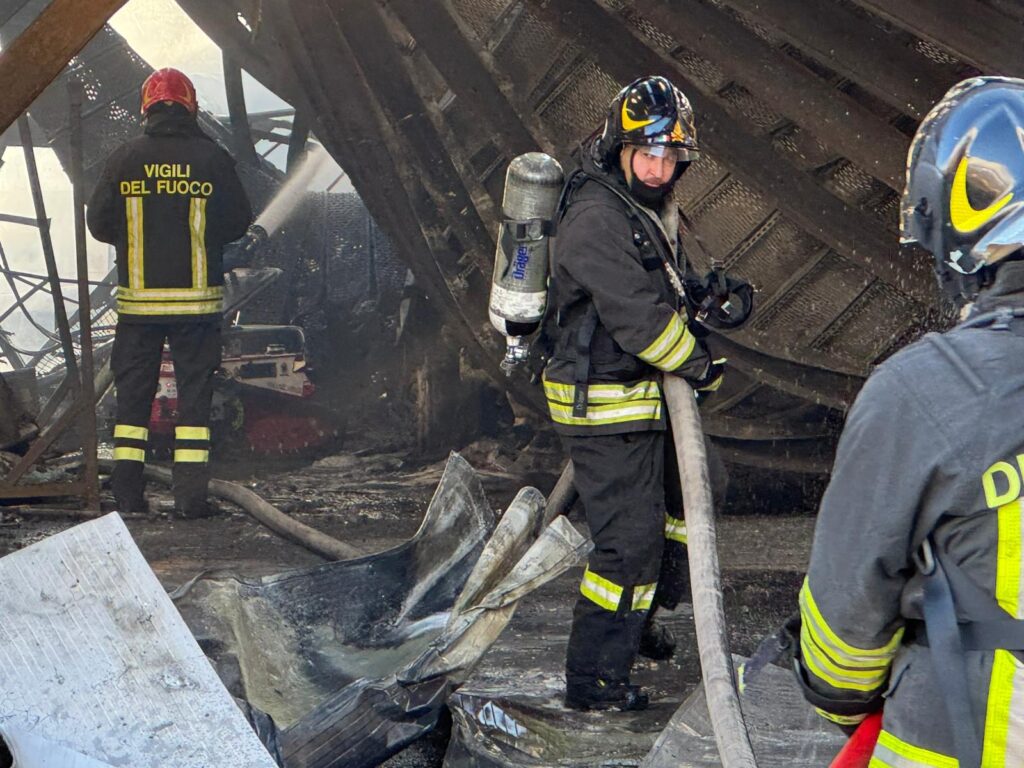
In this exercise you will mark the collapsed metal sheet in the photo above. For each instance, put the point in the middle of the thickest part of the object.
(373, 719)
(94, 658)
(286, 643)
(347, 663)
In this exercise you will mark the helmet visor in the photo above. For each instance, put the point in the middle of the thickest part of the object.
(671, 154)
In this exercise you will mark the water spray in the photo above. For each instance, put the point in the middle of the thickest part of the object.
(277, 211)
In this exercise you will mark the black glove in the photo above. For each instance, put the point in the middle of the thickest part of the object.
(720, 301)
(712, 379)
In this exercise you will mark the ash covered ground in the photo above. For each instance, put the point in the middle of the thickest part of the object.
(373, 497)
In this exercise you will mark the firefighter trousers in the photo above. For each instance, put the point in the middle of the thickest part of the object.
(620, 481)
(135, 363)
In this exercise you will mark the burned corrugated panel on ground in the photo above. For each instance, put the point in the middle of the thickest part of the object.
(347, 663)
(97, 661)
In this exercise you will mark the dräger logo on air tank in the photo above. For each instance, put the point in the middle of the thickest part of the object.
(521, 262)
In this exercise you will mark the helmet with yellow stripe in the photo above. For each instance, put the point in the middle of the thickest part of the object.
(650, 111)
(964, 197)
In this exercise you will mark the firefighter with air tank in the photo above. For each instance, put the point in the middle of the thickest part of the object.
(625, 299)
(168, 201)
(913, 598)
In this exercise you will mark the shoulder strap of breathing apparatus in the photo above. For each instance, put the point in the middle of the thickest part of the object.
(946, 588)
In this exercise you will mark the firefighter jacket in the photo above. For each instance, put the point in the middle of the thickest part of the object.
(621, 323)
(169, 201)
(933, 448)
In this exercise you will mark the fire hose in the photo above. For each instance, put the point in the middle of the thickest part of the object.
(266, 513)
(705, 575)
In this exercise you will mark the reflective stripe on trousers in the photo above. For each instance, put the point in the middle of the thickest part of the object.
(191, 445)
(608, 594)
(130, 442)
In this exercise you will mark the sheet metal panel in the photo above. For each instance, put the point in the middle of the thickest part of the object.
(96, 658)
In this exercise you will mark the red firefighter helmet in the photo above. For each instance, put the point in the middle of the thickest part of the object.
(169, 85)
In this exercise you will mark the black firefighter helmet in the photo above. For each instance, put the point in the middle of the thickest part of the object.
(649, 111)
(964, 198)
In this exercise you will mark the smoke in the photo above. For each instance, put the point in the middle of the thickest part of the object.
(291, 192)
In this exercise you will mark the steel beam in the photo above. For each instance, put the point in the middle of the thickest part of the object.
(240, 133)
(87, 391)
(812, 457)
(836, 390)
(750, 158)
(850, 46)
(976, 32)
(59, 311)
(38, 54)
(437, 33)
(790, 88)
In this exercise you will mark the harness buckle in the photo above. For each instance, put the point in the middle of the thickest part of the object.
(924, 558)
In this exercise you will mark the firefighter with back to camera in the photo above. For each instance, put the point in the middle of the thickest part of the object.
(617, 277)
(168, 201)
(915, 591)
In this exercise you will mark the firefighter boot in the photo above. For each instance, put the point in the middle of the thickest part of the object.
(128, 486)
(588, 693)
(656, 640)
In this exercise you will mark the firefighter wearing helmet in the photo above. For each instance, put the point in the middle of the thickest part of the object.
(915, 591)
(616, 276)
(168, 201)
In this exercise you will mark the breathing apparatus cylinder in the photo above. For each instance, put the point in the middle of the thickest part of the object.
(519, 285)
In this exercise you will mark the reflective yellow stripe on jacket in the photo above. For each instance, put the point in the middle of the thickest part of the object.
(170, 301)
(673, 346)
(891, 752)
(606, 403)
(133, 222)
(197, 230)
(1004, 715)
(834, 661)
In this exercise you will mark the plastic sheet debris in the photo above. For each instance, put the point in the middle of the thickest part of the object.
(351, 661)
(96, 660)
(509, 717)
(785, 731)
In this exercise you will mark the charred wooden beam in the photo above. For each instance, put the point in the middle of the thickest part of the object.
(835, 118)
(843, 42)
(976, 32)
(436, 31)
(751, 158)
(38, 54)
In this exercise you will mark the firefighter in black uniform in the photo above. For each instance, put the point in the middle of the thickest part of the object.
(914, 597)
(168, 201)
(617, 276)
